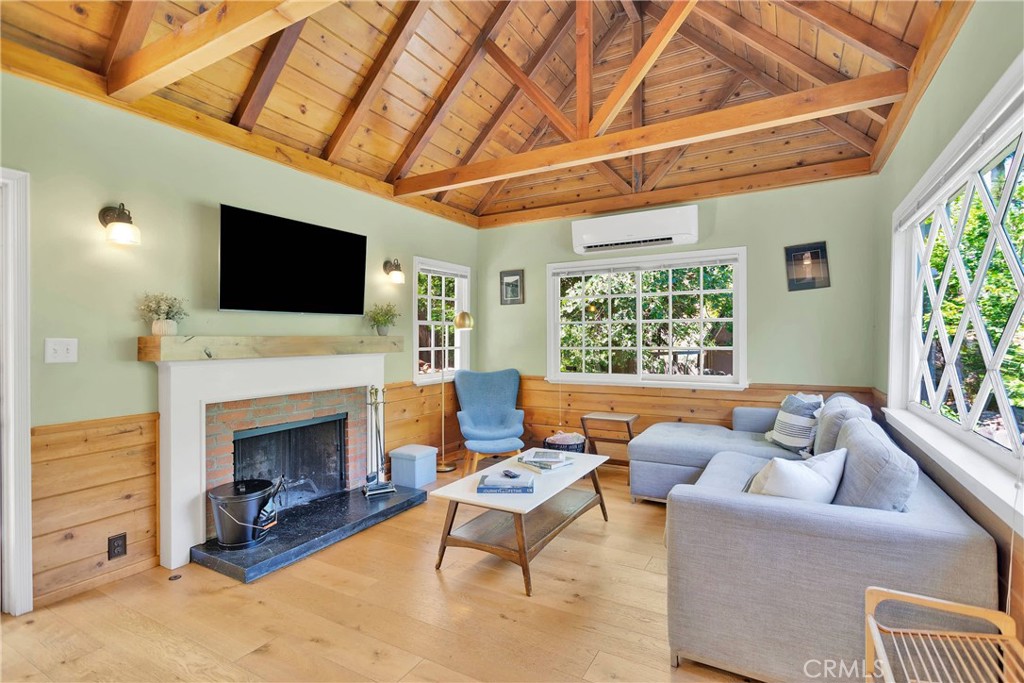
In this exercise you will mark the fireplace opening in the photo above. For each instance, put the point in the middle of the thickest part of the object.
(309, 454)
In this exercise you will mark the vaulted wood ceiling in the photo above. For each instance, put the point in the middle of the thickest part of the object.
(493, 113)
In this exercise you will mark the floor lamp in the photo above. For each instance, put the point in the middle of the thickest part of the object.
(463, 322)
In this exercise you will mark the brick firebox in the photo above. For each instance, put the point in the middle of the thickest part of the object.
(224, 419)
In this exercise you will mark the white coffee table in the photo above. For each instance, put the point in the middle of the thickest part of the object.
(517, 526)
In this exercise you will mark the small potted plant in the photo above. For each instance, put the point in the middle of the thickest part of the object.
(382, 316)
(163, 311)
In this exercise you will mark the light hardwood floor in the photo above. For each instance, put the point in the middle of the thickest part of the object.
(373, 608)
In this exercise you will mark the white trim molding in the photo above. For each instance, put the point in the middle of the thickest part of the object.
(15, 415)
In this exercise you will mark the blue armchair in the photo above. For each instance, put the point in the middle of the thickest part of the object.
(489, 420)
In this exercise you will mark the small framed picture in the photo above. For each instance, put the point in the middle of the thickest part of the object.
(807, 266)
(512, 290)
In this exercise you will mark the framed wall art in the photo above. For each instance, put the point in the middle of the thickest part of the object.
(512, 289)
(807, 266)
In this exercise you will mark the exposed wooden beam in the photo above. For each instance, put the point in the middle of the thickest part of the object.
(609, 37)
(936, 43)
(851, 29)
(756, 37)
(26, 62)
(208, 38)
(533, 91)
(585, 64)
(275, 54)
(641, 64)
(805, 105)
(130, 30)
(458, 81)
(562, 28)
(637, 105)
(676, 154)
(801, 175)
(760, 78)
(398, 38)
(631, 9)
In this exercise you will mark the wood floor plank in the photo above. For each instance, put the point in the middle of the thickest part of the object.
(14, 667)
(432, 672)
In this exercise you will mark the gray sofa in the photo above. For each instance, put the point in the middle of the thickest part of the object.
(773, 588)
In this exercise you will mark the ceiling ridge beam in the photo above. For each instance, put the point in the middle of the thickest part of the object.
(673, 157)
(398, 39)
(637, 105)
(835, 124)
(585, 65)
(129, 31)
(858, 93)
(202, 41)
(275, 55)
(629, 81)
(849, 28)
(514, 96)
(609, 37)
(500, 15)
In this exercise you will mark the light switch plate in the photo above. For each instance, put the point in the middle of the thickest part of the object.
(60, 350)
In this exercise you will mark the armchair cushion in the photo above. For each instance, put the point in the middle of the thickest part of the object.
(489, 420)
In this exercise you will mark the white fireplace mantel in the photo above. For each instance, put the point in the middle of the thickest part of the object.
(186, 387)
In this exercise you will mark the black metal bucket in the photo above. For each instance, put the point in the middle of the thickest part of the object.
(243, 512)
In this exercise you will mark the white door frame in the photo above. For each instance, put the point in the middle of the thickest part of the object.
(16, 569)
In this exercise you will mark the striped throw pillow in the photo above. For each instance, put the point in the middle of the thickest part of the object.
(796, 423)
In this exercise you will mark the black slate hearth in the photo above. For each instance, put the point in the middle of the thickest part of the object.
(303, 530)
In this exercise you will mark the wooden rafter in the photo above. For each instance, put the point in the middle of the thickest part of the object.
(398, 38)
(585, 65)
(275, 54)
(130, 30)
(208, 38)
(760, 78)
(676, 154)
(500, 16)
(851, 95)
(756, 37)
(851, 29)
(533, 91)
(637, 105)
(609, 37)
(641, 64)
(513, 98)
(631, 9)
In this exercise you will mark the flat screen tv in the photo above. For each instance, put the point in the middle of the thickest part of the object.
(269, 263)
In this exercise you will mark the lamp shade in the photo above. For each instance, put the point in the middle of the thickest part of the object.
(124, 233)
(464, 321)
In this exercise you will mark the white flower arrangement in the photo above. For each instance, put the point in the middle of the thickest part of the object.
(162, 307)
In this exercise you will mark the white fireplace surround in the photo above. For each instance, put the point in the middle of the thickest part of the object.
(186, 387)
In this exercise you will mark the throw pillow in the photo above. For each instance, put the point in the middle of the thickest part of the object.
(877, 474)
(815, 479)
(795, 424)
(837, 410)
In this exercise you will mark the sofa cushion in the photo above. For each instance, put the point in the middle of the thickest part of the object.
(796, 422)
(877, 474)
(731, 471)
(837, 410)
(815, 479)
(693, 445)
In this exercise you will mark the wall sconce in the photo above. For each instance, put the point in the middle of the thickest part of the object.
(394, 271)
(118, 223)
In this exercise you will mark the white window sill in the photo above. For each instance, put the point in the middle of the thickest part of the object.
(634, 382)
(434, 378)
(992, 484)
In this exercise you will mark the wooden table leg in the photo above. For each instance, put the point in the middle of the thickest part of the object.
(524, 559)
(449, 520)
(599, 492)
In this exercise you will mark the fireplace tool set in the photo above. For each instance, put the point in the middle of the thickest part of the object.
(375, 483)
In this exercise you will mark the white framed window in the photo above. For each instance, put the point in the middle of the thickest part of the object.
(957, 342)
(440, 292)
(671, 320)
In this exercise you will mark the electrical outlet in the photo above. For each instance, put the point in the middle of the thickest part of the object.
(60, 350)
(117, 546)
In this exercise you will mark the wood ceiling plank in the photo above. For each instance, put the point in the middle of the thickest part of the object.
(685, 193)
(132, 25)
(869, 39)
(652, 49)
(630, 7)
(269, 68)
(208, 38)
(637, 103)
(540, 98)
(499, 17)
(585, 63)
(398, 38)
(780, 110)
(936, 43)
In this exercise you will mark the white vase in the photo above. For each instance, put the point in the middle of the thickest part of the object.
(165, 328)
(382, 330)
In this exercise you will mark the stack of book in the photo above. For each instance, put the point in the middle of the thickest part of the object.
(499, 483)
(542, 461)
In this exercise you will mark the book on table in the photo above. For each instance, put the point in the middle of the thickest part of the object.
(499, 483)
(544, 461)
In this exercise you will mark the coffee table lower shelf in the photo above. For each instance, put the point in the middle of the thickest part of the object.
(519, 537)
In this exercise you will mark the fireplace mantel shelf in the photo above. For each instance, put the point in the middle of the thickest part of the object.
(158, 349)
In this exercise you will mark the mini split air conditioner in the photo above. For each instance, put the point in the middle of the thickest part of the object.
(658, 228)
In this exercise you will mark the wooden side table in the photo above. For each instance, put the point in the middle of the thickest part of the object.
(619, 419)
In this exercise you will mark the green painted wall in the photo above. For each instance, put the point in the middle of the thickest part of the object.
(988, 42)
(83, 156)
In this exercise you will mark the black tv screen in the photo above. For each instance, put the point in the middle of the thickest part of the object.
(269, 263)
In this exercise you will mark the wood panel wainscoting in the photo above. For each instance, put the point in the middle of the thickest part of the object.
(92, 480)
